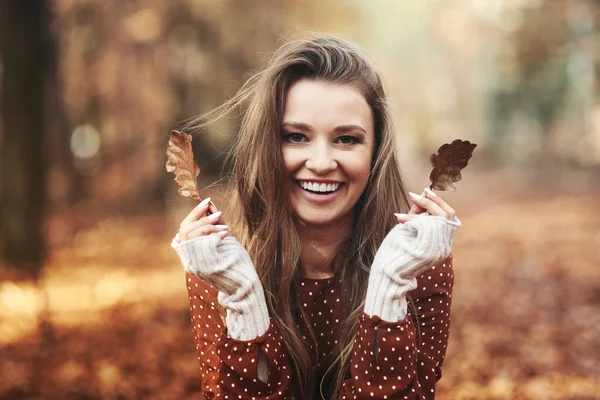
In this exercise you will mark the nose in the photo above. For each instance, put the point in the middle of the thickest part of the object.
(321, 160)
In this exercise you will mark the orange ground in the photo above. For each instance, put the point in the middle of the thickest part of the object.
(525, 324)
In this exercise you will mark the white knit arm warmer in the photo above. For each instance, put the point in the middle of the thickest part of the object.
(405, 253)
(227, 266)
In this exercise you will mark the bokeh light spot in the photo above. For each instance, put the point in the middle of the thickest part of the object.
(85, 141)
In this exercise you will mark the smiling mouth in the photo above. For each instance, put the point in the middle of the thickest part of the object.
(319, 188)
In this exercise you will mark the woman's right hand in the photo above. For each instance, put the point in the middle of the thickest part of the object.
(197, 223)
(206, 251)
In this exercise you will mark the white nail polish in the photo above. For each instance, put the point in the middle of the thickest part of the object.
(430, 192)
(214, 217)
(415, 196)
(204, 202)
(400, 215)
(221, 227)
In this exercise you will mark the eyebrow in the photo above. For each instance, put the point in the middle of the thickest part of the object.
(339, 129)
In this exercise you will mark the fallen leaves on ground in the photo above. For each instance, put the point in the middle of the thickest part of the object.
(525, 323)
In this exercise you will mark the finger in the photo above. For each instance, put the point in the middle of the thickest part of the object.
(415, 210)
(212, 207)
(222, 234)
(197, 224)
(196, 231)
(429, 205)
(197, 211)
(402, 218)
(431, 195)
(214, 218)
(205, 230)
(219, 221)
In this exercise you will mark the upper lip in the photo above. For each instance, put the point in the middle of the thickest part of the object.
(319, 180)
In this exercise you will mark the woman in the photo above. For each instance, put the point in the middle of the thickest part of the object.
(315, 289)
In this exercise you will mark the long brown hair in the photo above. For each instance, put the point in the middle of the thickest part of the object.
(260, 214)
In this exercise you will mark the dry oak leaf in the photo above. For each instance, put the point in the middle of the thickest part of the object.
(448, 162)
(180, 161)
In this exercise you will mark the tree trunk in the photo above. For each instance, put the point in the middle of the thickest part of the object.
(26, 54)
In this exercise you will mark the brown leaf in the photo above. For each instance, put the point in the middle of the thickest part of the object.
(448, 162)
(180, 161)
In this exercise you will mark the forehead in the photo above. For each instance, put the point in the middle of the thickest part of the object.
(326, 105)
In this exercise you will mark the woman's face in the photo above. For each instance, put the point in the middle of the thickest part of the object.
(328, 141)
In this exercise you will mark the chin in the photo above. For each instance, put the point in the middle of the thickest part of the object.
(319, 218)
(315, 221)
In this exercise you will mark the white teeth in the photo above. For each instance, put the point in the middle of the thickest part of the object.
(316, 187)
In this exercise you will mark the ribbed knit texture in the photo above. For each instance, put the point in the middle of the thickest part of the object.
(406, 252)
(227, 266)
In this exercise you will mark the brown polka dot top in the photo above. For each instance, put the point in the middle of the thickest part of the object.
(400, 360)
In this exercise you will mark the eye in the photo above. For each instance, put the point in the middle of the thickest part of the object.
(347, 139)
(294, 137)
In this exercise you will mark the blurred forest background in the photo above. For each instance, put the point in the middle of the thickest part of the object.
(92, 299)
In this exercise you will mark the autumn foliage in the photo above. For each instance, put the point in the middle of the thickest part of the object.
(450, 159)
(109, 317)
(525, 323)
(180, 161)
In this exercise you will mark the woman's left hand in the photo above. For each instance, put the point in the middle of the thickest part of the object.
(414, 245)
(430, 202)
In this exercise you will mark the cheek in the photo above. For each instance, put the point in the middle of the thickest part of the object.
(291, 160)
(359, 168)
(362, 173)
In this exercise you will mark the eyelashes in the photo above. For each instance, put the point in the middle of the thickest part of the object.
(297, 137)
(348, 139)
(294, 137)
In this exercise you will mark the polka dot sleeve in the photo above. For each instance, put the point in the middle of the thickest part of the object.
(229, 367)
(403, 360)
(390, 360)
(432, 301)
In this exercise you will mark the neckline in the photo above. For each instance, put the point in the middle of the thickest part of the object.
(319, 280)
(313, 280)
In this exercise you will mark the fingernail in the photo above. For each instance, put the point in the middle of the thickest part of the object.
(214, 217)
(430, 192)
(415, 196)
(400, 215)
(204, 202)
(222, 233)
(221, 227)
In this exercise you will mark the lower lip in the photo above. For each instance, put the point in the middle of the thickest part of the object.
(319, 198)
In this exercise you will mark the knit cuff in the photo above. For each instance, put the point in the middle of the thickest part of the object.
(414, 246)
(223, 263)
(199, 256)
(189, 251)
(248, 317)
(388, 302)
(226, 265)
(407, 251)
